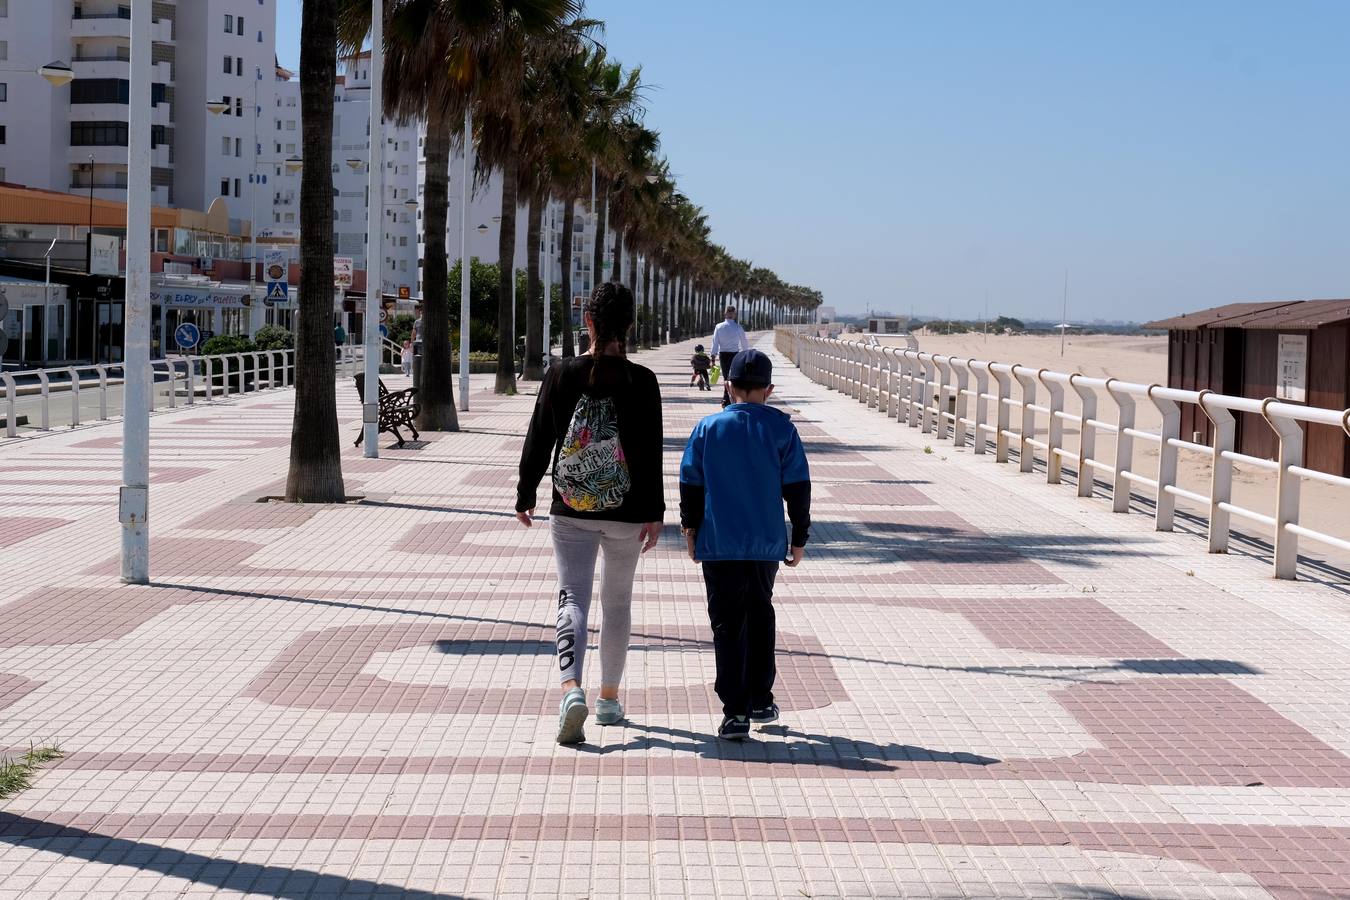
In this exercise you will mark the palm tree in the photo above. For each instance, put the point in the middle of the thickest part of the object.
(315, 472)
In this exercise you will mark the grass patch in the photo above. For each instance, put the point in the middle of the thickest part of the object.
(17, 774)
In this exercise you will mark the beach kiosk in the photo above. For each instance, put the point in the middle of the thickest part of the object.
(1295, 351)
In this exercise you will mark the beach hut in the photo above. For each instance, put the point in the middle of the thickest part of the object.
(1295, 351)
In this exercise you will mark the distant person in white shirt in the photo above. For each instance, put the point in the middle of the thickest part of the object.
(728, 340)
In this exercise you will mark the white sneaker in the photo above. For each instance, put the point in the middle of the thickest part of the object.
(572, 714)
(608, 712)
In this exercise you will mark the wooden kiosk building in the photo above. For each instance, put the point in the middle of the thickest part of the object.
(1294, 351)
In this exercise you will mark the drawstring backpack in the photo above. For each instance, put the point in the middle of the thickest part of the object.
(591, 474)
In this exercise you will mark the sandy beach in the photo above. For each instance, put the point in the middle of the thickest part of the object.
(1143, 360)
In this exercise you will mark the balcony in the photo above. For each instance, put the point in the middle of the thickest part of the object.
(161, 31)
(103, 65)
(100, 25)
(103, 155)
(98, 112)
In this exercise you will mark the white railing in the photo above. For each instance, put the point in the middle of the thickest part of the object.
(209, 377)
(1021, 410)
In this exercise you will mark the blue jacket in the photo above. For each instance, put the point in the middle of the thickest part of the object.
(738, 467)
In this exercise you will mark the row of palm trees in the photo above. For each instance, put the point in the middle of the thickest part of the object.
(555, 118)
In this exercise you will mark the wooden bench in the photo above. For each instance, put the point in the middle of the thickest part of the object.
(397, 409)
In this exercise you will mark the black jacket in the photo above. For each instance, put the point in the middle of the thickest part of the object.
(637, 403)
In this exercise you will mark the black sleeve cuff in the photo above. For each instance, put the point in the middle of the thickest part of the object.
(798, 498)
(691, 505)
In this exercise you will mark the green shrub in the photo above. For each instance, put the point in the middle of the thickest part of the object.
(273, 337)
(227, 343)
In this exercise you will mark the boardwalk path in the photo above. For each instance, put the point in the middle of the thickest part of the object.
(990, 688)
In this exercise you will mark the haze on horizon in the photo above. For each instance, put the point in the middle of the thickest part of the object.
(898, 155)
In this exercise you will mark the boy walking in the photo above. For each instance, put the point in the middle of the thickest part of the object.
(700, 362)
(739, 468)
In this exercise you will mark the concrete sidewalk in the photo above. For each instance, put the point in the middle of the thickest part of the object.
(990, 688)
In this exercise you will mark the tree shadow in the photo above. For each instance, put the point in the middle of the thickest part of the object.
(891, 542)
(808, 749)
(422, 507)
(227, 874)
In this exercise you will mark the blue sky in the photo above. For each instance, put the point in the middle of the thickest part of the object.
(906, 155)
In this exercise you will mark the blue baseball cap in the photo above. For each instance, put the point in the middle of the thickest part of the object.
(752, 368)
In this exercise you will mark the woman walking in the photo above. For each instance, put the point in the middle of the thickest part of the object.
(598, 421)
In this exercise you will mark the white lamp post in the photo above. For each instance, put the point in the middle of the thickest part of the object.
(133, 505)
(466, 189)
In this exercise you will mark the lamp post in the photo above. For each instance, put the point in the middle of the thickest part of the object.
(374, 234)
(466, 189)
(133, 504)
(215, 108)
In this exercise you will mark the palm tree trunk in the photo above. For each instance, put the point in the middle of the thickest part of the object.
(436, 389)
(601, 227)
(506, 258)
(648, 304)
(569, 218)
(616, 273)
(315, 472)
(534, 296)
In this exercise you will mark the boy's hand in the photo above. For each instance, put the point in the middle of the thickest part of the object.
(525, 518)
(690, 540)
(649, 535)
(795, 557)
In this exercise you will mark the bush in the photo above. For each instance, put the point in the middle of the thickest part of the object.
(227, 343)
(273, 337)
(400, 328)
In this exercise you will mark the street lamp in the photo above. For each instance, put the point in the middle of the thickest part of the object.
(355, 164)
(293, 164)
(482, 229)
(57, 73)
(215, 108)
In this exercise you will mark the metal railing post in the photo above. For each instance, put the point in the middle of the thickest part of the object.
(1026, 452)
(981, 371)
(1125, 413)
(1221, 481)
(102, 391)
(74, 396)
(1167, 459)
(46, 396)
(11, 408)
(210, 385)
(1288, 487)
(961, 367)
(1054, 429)
(944, 393)
(1087, 434)
(1004, 415)
(930, 377)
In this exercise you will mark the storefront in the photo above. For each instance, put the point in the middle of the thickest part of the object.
(36, 322)
(214, 308)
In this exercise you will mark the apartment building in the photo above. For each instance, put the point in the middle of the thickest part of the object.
(74, 138)
(400, 214)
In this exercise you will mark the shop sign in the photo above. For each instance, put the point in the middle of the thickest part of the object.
(189, 297)
(1292, 368)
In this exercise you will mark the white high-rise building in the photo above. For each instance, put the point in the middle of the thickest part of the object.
(351, 152)
(74, 138)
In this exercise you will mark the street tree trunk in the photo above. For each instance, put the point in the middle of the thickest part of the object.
(534, 294)
(435, 390)
(616, 272)
(569, 217)
(506, 258)
(315, 473)
(650, 337)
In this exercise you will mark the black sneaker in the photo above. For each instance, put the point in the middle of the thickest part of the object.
(764, 714)
(734, 728)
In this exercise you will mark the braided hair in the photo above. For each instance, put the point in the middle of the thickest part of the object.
(612, 311)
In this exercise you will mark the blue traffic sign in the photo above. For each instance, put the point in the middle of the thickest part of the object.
(187, 336)
(384, 331)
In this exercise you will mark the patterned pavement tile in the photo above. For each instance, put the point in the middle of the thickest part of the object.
(990, 689)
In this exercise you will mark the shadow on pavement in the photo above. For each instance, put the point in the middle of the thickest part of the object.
(233, 875)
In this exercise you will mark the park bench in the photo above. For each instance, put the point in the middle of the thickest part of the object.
(397, 409)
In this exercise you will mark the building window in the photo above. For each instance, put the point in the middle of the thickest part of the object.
(290, 124)
(290, 148)
(260, 40)
(239, 106)
(100, 90)
(2, 139)
(239, 23)
(229, 103)
(236, 187)
(4, 92)
(4, 8)
(229, 24)
(290, 217)
(238, 147)
(4, 49)
(98, 134)
(225, 146)
(229, 65)
(239, 66)
(224, 187)
(158, 94)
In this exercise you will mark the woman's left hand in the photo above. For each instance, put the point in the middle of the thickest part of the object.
(649, 535)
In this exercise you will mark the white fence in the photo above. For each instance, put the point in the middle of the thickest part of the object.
(1007, 408)
(209, 378)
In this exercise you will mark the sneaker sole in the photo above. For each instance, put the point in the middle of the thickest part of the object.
(765, 721)
(733, 737)
(606, 720)
(570, 731)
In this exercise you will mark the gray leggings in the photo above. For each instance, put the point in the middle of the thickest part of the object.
(576, 543)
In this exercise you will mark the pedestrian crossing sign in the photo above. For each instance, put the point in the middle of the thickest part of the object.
(276, 292)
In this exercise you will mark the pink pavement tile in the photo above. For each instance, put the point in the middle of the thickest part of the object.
(14, 688)
(14, 529)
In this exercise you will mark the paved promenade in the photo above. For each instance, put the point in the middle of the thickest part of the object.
(990, 687)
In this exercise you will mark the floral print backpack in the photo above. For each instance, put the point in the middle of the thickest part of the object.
(591, 474)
